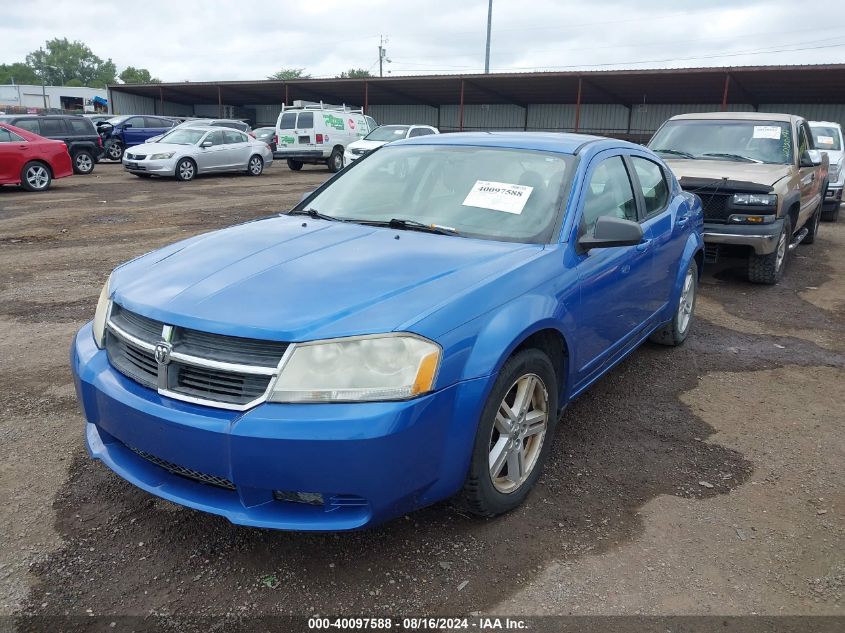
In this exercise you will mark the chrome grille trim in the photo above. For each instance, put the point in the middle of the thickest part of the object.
(168, 373)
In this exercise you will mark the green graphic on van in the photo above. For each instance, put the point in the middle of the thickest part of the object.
(289, 140)
(333, 121)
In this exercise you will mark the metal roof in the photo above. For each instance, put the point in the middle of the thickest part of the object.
(745, 84)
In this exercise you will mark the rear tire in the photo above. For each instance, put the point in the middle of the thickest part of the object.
(768, 269)
(186, 170)
(675, 332)
(115, 151)
(83, 162)
(294, 165)
(831, 215)
(335, 162)
(813, 226)
(255, 166)
(35, 176)
(493, 489)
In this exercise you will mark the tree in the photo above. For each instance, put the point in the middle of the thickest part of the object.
(62, 60)
(289, 73)
(355, 73)
(74, 83)
(132, 75)
(18, 73)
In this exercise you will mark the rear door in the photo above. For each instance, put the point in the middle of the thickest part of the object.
(56, 128)
(238, 149)
(286, 129)
(810, 183)
(135, 131)
(305, 134)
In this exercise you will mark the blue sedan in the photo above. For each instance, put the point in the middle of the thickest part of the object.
(410, 332)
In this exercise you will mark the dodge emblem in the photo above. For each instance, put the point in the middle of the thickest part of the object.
(162, 353)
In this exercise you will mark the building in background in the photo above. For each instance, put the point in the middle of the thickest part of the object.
(22, 98)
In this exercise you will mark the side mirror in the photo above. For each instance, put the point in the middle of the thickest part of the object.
(811, 158)
(206, 144)
(609, 232)
(305, 195)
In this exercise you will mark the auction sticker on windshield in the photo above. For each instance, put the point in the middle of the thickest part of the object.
(767, 131)
(498, 196)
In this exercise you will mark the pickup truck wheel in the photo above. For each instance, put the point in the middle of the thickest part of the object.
(768, 269)
(675, 332)
(294, 165)
(115, 151)
(83, 162)
(513, 437)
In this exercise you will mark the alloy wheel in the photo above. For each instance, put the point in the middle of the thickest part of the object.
(687, 302)
(518, 432)
(781, 252)
(186, 170)
(255, 165)
(37, 176)
(115, 151)
(84, 163)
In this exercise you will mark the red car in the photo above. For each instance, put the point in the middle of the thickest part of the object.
(30, 160)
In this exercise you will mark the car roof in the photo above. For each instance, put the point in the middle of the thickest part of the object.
(738, 116)
(562, 143)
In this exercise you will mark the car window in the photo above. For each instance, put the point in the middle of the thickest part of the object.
(608, 194)
(136, 121)
(652, 183)
(7, 136)
(420, 131)
(306, 121)
(53, 127)
(288, 121)
(78, 126)
(803, 141)
(215, 138)
(233, 136)
(371, 123)
(157, 123)
(30, 125)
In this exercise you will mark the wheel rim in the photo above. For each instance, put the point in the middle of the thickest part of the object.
(781, 250)
(518, 433)
(338, 161)
(115, 151)
(687, 302)
(186, 170)
(83, 162)
(255, 165)
(37, 177)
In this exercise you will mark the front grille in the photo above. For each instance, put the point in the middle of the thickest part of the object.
(715, 207)
(190, 473)
(197, 375)
(135, 156)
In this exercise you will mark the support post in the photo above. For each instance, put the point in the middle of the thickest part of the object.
(525, 120)
(366, 96)
(161, 99)
(438, 117)
(219, 102)
(286, 95)
(725, 92)
(578, 107)
(630, 115)
(461, 109)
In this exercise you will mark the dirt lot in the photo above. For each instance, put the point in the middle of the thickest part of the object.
(701, 480)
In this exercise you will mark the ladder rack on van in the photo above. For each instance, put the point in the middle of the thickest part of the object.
(313, 105)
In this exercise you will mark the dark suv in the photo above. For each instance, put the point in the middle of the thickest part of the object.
(83, 142)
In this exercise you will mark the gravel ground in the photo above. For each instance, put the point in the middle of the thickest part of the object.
(700, 480)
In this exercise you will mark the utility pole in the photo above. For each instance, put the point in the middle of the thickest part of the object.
(489, 27)
(382, 55)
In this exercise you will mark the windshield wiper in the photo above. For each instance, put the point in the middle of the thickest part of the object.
(733, 157)
(313, 213)
(411, 225)
(674, 152)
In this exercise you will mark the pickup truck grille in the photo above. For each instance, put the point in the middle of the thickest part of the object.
(228, 372)
(715, 207)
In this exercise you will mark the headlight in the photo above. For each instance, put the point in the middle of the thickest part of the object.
(102, 313)
(162, 156)
(833, 174)
(755, 199)
(380, 367)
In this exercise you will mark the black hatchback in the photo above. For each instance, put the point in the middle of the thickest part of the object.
(79, 134)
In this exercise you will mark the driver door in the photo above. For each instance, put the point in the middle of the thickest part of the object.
(213, 157)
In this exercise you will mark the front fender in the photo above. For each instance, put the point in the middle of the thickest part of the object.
(693, 246)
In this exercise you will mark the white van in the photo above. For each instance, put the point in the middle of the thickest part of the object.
(318, 133)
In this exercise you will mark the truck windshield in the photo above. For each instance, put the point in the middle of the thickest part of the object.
(489, 193)
(725, 139)
(826, 137)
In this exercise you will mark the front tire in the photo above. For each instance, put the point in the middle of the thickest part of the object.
(83, 162)
(514, 435)
(768, 269)
(335, 162)
(35, 176)
(186, 170)
(675, 332)
(294, 165)
(115, 151)
(255, 167)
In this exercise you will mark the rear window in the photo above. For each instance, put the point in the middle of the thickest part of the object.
(79, 126)
(306, 120)
(53, 127)
(30, 125)
(7, 136)
(288, 121)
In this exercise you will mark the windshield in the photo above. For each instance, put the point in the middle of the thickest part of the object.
(489, 193)
(184, 136)
(387, 133)
(827, 137)
(737, 140)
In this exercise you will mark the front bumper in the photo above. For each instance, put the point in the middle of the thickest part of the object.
(833, 196)
(763, 238)
(369, 461)
(166, 167)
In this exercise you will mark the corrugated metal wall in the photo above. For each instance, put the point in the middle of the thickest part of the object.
(810, 111)
(388, 114)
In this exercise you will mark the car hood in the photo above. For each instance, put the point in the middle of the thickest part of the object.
(834, 155)
(294, 278)
(366, 145)
(760, 173)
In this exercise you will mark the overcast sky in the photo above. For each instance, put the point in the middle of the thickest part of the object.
(210, 40)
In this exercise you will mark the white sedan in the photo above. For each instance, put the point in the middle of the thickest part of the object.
(189, 151)
(383, 135)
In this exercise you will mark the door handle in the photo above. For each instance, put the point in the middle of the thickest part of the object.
(682, 221)
(643, 246)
